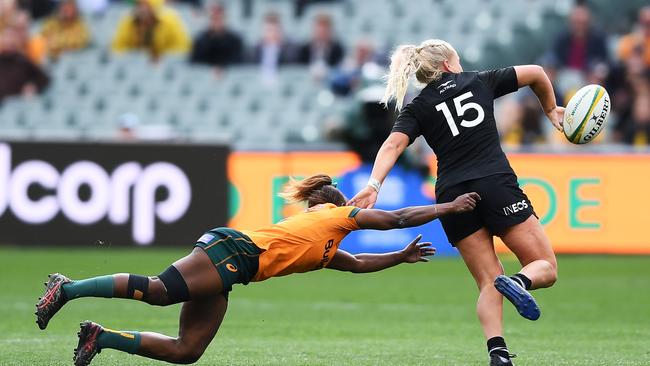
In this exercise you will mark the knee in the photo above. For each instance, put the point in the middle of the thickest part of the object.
(187, 355)
(188, 358)
(551, 277)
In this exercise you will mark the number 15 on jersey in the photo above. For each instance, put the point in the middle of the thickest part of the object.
(460, 112)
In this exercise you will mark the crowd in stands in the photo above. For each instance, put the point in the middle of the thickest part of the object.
(632, 95)
(579, 54)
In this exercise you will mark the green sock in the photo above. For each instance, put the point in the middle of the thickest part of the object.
(93, 287)
(125, 341)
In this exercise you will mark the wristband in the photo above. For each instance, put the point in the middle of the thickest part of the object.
(374, 184)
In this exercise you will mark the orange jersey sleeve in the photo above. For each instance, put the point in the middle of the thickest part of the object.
(303, 242)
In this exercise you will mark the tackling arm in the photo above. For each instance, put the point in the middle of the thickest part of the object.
(414, 216)
(364, 263)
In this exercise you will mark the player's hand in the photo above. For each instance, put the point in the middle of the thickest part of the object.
(465, 202)
(416, 252)
(556, 115)
(366, 198)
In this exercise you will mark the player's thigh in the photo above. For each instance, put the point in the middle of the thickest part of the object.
(458, 226)
(199, 322)
(529, 242)
(200, 274)
(480, 258)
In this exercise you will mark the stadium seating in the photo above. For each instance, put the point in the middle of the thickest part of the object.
(92, 89)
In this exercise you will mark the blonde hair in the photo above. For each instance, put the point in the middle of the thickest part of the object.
(424, 61)
(314, 190)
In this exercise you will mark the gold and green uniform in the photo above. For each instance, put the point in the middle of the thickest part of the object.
(300, 243)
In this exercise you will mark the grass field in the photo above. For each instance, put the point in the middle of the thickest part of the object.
(597, 314)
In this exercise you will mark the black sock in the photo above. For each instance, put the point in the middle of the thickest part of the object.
(497, 345)
(522, 279)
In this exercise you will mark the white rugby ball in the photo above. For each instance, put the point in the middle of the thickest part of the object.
(586, 114)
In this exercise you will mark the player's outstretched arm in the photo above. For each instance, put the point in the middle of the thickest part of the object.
(414, 216)
(390, 150)
(535, 77)
(364, 263)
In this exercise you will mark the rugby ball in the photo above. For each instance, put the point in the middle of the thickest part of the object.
(586, 114)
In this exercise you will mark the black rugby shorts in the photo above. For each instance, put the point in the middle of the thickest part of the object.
(503, 204)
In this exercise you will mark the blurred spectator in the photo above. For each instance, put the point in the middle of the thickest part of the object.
(581, 45)
(640, 109)
(301, 5)
(362, 63)
(37, 8)
(531, 119)
(633, 101)
(273, 49)
(508, 113)
(65, 31)
(217, 46)
(16, 19)
(18, 75)
(520, 120)
(152, 27)
(639, 40)
(8, 10)
(322, 51)
(367, 124)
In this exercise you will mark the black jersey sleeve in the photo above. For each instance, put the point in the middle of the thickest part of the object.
(407, 124)
(500, 81)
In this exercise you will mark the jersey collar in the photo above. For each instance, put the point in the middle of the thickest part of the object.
(322, 206)
(446, 76)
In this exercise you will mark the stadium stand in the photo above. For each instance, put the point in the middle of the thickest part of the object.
(91, 90)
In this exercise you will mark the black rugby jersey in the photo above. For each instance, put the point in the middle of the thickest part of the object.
(455, 114)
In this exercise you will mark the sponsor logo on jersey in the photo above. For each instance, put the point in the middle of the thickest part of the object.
(515, 207)
(446, 86)
(326, 254)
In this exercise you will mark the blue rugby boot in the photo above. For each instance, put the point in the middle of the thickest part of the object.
(518, 296)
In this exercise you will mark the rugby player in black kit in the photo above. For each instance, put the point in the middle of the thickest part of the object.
(455, 114)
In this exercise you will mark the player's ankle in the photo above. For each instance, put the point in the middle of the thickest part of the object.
(497, 345)
(522, 280)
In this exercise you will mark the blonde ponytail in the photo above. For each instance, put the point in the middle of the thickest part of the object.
(402, 67)
(424, 61)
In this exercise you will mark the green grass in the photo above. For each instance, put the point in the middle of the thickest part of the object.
(597, 314)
